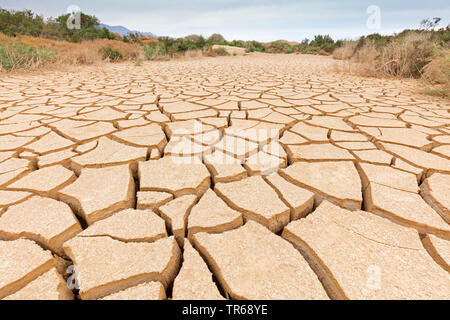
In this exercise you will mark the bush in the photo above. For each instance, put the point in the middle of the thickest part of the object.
(154, 51)
(221, 51)
(325, 43)
(311, 50)
(137, 62)
(132, 37)
(367, 57)
(346, 51)
(278, 46)
(111, 54)
(407, 56)
(367, 54)
(198, 40)
(19, 55)
(438, 70)
(214, 52)
(254, 46)
(215, 38)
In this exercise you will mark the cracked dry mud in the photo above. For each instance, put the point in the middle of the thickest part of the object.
(255, 177)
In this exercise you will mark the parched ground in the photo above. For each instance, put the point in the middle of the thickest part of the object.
(254, 177)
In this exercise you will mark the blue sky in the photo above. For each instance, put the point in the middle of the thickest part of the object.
(261, 20)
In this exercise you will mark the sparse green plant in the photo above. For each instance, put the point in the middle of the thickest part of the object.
(137, 62)
(254, 46)
(436, 74)
(220, 51)
(432, 23)
(311, 49)
(19, 55)
(325, 43)
(154, 51)
(111, 54)
(133, 37)
(437, 91)
(345, 51)
(214, 52)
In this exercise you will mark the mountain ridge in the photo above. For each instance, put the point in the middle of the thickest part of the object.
(123, 31)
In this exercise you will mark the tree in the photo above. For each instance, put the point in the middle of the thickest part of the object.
(323, 42)
(134, 36)
(20, 22)
(428, 24)
(200, 43)
(86, 21)
(198, 40)
(216, 37)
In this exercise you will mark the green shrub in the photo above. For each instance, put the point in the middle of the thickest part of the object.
(220, 51)
(111, 54)
(311, 49)
(252, 46)
(438, 70)
(20, 22)
(215, 38)
(154, 51)
(132, 37)
(325, 43)
(227, 43)
(407, 56)
(137, 62)
(172, 46)
(19, 55)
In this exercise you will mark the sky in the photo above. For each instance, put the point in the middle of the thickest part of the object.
(261, 20)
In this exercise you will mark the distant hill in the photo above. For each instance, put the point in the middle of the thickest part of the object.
(124, 31)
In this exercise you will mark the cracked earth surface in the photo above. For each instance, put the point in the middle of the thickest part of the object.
(257, 177)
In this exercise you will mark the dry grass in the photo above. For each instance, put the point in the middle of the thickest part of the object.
(88, 52)
(214, 52)
(84, 53)
(193, 54)
(408, 56)
(346, 51)
(93, 52)
(231, 50)
(404, 57)
(415, 55)
(366, 59)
